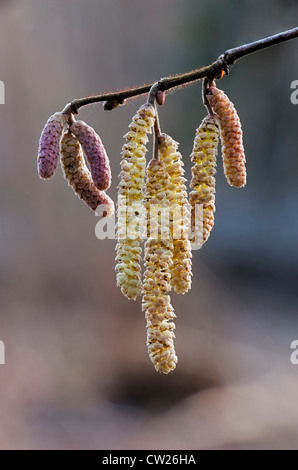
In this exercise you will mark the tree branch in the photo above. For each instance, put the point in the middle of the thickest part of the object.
(210, 72)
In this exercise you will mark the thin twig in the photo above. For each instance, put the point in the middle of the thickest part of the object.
(206, 82)
(156, 134)
(214, 70)
(152, 93)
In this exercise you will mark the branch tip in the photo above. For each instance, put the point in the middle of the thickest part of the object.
(212, 71)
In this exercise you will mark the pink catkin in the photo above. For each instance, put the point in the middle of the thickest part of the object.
(231, 137)
(78, 176)
(48, 151)
(95, 154)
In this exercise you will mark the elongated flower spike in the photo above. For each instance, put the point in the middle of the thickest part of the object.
(177, 195)
(79, 177)
(158, 261)
(130, 202)
(202, 197)
(95, 154)
(231, 136)
(48, 151)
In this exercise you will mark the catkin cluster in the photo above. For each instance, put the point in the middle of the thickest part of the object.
(71, 146)
(152, 202)
(157, 277)
(202, 197)
(231, 137)
(167, 254)
(130, 202)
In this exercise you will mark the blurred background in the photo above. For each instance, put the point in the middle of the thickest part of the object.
(77, 374)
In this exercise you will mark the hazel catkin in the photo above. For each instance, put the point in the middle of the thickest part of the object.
(95, 154)
(49, 142)
(130, 202)
(231, 137)
(181, 267)
(78, 176)
(202, 197)
(157, 277)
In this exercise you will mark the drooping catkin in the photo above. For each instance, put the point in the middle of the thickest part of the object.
(48, 151)
(130, 202)
(78, 176)
(231, 137)
(181, 266)
(202, 198)
(95, 154)
(158, 261)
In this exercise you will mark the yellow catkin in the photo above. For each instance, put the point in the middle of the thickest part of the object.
(79, 177)
(130, 202)
(231, 137)
(181, 267)
(158, 261)
(203, 182)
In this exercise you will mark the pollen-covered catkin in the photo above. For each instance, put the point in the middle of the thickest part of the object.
(95, 154)
(202, 198)
(231, 137)
(79, 177)
(158, 261)
(130, 202)
(48, 151)
(181, 267)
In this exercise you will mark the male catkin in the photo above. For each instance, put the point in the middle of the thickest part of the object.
(48, 151)
(202, 197)
(231, 137)
(157, 277)
(130, 202)
(95, 154)
(78, 176)
(177, 195)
